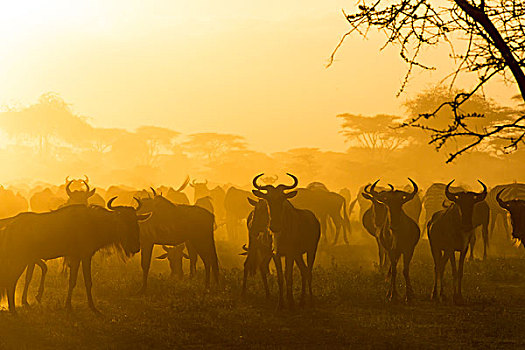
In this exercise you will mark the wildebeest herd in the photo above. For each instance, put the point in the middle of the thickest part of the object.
(283, 221)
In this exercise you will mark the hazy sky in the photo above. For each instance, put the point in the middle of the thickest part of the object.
(254, 68)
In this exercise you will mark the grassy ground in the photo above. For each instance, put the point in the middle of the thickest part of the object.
(350, 308)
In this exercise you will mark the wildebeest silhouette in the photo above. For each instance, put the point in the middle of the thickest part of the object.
(449, 231)
(260, 244)
(513, 191)
(176, 195)
(399, 234)
(174, 224)
(435, 199)
(75, 232)
(174, 255)
(296, 232)
(237, 209)
(373, 221)
(516, 208)
(326, 206)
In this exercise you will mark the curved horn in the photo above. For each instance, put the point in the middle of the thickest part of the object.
(367, 188)
(414, 192)
(295, 182)
(244, 247)
(500, 201)
(165, 247)
(87, 185)
(444, 204)
(449, 194)
(254, 182)
(205, 181)
(193, 183)
(67, 179)
(184, 184)
(86, 178)
(391, 187)
(154, 192)
(139, 203)
(68, 189)
(110, 203)
(373, 191)
(483, 194)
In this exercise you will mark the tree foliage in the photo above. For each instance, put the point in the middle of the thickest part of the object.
(493, 37)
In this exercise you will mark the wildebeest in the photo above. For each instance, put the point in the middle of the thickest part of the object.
(206, 203)
(174, 255)
(516, 208)
(450, 230)
(296, 232)
(78, 196)
(513, 191)
(237, 209)
(177, 196)
(45, 200)
(435, 199)
(260, 244)
(373, 221)
(200, 189)
(11, 203)
(75, 232)
(325, 205)
(399, 234)
(174, 224)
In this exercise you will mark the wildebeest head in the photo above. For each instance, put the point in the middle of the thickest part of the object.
(465, 201)
(516, 208)
(379, 210)
(393, 199)
(200, 189)
(79, 196)
(174, 256)
(276, 197)
(128, 220)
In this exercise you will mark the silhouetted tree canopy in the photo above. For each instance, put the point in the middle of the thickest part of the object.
(486, 38)
(374, 133)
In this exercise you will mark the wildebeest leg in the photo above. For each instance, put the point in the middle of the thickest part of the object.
(43, 267)
(29, 276)
(392, 293)
(485, 235)
(437, 269)
(192, 253)
(288, 273)
(263, 270)
(145, 262)
(279, 268)
(380, 252)
(324, 233)
(310, 259)
(86, 271)
(459, 298)
(407, 257)
(338, 223)
(207, 269)
(74, 264)
(493, 219)
(444, 259)
(472, 245)
(304, 277)
(454, 273)
(11, 297)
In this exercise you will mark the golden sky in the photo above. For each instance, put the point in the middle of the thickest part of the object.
(254, 68)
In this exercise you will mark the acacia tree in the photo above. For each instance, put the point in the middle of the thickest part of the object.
(494, 32)
(376, 133)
